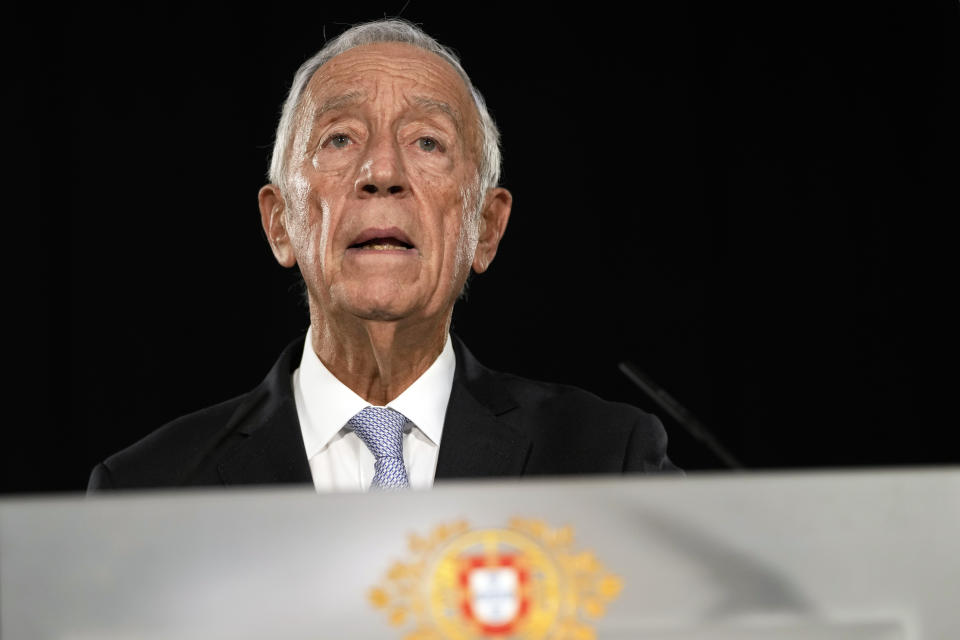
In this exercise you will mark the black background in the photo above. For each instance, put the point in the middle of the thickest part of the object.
(754, 203)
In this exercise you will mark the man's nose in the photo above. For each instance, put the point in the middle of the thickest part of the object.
(382, 172)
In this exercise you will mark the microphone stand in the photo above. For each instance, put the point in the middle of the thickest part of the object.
(677, 411)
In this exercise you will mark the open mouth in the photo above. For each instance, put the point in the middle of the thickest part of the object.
(382, 244)
(392, 239)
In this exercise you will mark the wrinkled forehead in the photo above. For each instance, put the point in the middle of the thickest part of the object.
(422, 77)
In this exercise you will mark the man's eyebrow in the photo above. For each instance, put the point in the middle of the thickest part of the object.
(430, 104)
(339, 102)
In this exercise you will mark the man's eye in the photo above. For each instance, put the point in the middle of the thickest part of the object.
(428, 144)
(338, 140)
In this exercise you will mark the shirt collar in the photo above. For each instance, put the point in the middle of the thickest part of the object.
(329, 404)
(425, 401)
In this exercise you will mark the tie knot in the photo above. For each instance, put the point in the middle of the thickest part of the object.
(381, 429)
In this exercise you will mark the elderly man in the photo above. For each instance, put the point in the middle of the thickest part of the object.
(383, 190)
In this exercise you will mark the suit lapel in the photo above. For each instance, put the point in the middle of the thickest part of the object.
(477, 441)
(273, 453)
(271, 445)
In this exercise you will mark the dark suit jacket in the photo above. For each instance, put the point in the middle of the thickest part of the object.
(496, 425)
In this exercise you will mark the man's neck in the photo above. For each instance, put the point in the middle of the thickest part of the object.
(378, 360)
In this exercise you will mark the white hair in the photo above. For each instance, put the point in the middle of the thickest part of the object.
(392, 30)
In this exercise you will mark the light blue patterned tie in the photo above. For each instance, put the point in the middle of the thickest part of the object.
(381, 429)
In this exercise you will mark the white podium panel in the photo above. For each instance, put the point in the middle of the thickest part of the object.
(850, 555)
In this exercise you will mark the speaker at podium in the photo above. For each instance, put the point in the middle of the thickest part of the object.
(825, 555)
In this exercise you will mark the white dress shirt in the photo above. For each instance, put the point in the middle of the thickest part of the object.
(339, 460)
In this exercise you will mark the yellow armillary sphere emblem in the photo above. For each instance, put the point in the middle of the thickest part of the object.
(521, 582)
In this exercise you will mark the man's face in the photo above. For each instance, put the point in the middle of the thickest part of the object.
(382, 174)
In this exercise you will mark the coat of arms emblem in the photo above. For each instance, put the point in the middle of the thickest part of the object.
(521, 582)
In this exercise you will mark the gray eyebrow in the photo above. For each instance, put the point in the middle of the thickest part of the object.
(437, 105)
(339, 102)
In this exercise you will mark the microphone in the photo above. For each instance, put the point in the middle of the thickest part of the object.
(680, 414)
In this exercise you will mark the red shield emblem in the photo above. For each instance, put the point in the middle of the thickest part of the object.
(494, 591)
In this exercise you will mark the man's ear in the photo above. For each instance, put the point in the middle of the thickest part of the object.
(274, 223)
(493, 222)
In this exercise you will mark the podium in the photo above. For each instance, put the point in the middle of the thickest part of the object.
(826, 555)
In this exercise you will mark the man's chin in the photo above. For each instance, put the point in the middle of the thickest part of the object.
(379, 315)
(380, 308)
(378, 301)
